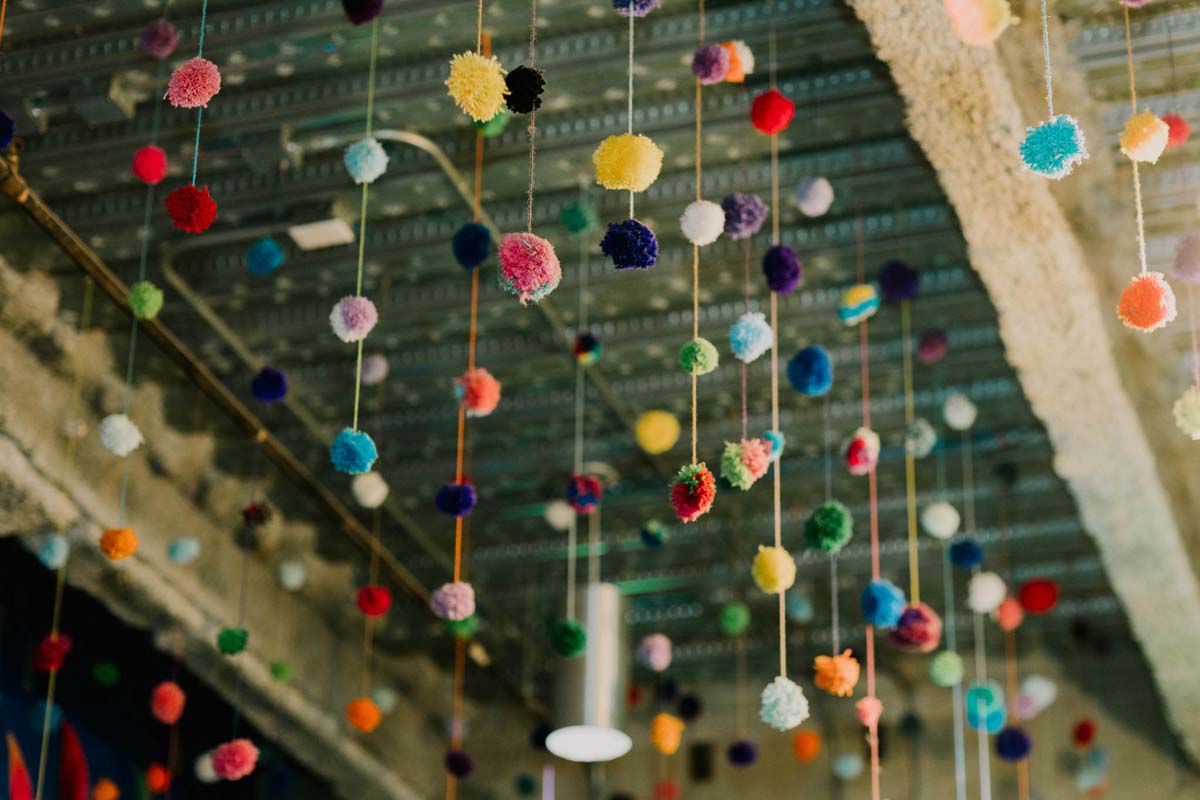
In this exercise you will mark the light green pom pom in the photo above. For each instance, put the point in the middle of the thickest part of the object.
(946, 669)
(281, 671)
(145, 299)
(735, 618)
(699, 355)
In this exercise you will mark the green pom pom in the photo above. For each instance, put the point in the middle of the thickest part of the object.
(145, 299)
(699, 355)
(578, 217)
(946, 669)
(462, 628)
(106, 674)
(281, 671)
(829, 527)
(526, 785)
(734, 469)
(568, 638)
(232, 641)
(735, 618)
(494, 126)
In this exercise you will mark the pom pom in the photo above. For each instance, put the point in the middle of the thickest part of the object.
(106, 674)
(784, 705)
(1053, 148)
(456, 499)
(191, 209)
(653, 534)
(360, 12)
(630, 245)
(584, 493)
(374, 601)
(940, 520)
(771, 112)
(118, 543)
(1038, 595)
(231, 641)
(693, 492)
(145, 300)
(234, 760)
(462, 628)
(158, 778)
(578, 217)
(627, 162)
(847, 766)
(690, 707)
(1178, 130)
(1013, 744)
(710, 64)
(568, 638)
(741, 61)
(478, 391)
(811, 371)
(837, 674)
(1040, 690)
(454, 601)
(269, 385)
(1187, 260)
(53, 551)
(898, 281)
(559, 514)
(813, 196)
(781, 267)
(742, 753)
(735, 618)
(829, 527)
(966, 554)
(105, 790)
(167, 701)
(744, 215)
(932, 346)
(919, 438)
(858, 303)
(862, 452)
(985, 707)
(979, 22)
(525, 785)
(374, 369)
(281, 671)
(8, 130)
(472, 244)
(193, 84)
(476, 84)
(365, 160)
(1145, 137)
(636, 8)
(362, 713)
(744, 462)
(1009, 614)
(654, 652)
(773, 570)
(1147, 303)
(586, 349)
(119, 435)
(1023, 707)
(158, 39)
(799, 608)
(777, 440)
(985, 592)
(664, 789)
(149, 164)
(666, 732)
(528, 266)
(698, 356)
(946, 669)
(525, 87)
(51, 652)
(264, 257)
(352, 452)
(494, 126)
(919, 630)
(882, 603)
(353, 318)
(959, 412)
(868, 710)
(370, 490)
(702, 222)
(1084, 733)
(183, 550)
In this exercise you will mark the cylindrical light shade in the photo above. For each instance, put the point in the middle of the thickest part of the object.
(590, 688)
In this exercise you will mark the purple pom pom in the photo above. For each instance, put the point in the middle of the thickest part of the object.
(360, 12)
(454, 601)
(744, 215)
(459, 763)
(710, 63)
(630, 244)
(456, 499)
(898, 281)
(638, 8)
(159, 39)
(782, 268)
(270, 385)
(742, 753)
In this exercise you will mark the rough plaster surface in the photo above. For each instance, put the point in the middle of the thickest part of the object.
(1054, 318)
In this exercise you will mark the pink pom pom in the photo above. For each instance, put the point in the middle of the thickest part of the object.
(194, 83)
(869, 710)
(235, 760)
(453, 601)
(528, 266)
(1024, 707)
(1009, 614)
(150, 164)
(353, 318)
(654, 652)
(167, 702)
(756, 455)
(478, 392)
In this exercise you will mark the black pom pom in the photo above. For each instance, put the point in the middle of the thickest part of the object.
(690, 707)
(459, 763)
(360, 12)
(525, 86)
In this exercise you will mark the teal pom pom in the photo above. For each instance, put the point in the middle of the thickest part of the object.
(183, 550)
(985, 707)
(365, 160)
(735, 618)
(882, 604)
(264, 257)
(699, 356)
(53, 551)
(777, 440)
(750, 336)
(37, 717)
(568, 638)
(829, 527)
(578, 217)
(800, 608)
(1053, 148)
(145, 299)
(811, 371)
(352, 452)
(946, 669)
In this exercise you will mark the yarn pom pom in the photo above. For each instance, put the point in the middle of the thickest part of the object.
(1053, 148)
(959, 412)
(784, 705)
(940, 520)
(158, 779)
(105, 790)
(966, 554)
(829, 527)
(698, 356)
(806, 745)
(360, 12)
(693, 492)
(119, 435)
(568, 638)
(690, 707)
(742, 753)
(476, 84)
(145, 300)
(459, 764)
(702, 222)
(919, 438)
(744, 215)
(946, 669)
(656, 431)
(370, 490)
(919, 630)
(630, 245)
(374, 369)
(1009, 615)
(373, 601)
(235, 760)
(858, 303)
(472, 244)
(666, 732)
(811, 371)
(1178, 130)
(773, 570)
(362, 713)
(1040, 690)
(584, 493)
(771, 112)
(167, 700)
(1187, 260)
(587, 348)
(710, 64)
(635, 8)
(478, 392)
(149, 164)
(578, 217)
(653, 534)
(8, 130)
(51, 652)
(654, 652)
(193, 83)
(627, 162)
(781, 267)
(494, 126)
(525, 87)
(932, 346)
(264, 257)
(868, 710)
(365, 160)
(898, 281)
(528, 266)
(191, 209)
(53, 551)
(847, 766)
(979, 22)
(256, 515)
(183, 550)
(741, 61)
(462, 628)
(1145, 137)
(353, 318)
(862, 452)
(1147, 303)
(352, 452)
(735, 618)
(158, 39)
(813, 196)
(778, 442)
(985, 707)
(455, 601)
(985, 592)
(269, 385)
(456, 499)
(1013, 744)
(836, 674)
(1084, 733)
(559, 514)
(231, 641)
(882, 603)
(744, 462)
(1038, 595)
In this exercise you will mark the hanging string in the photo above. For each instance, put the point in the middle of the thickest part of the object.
(532, 118)
(580, 390)
(980, 644)
(1137, 180)
(827, 435)
(362, 212)
(695, 247)
(629, 94)
(3, 13)
(910, 461)
(1049, 72)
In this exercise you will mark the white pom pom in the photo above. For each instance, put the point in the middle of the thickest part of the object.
(119, 435)
(985, 592)
(744, 55)
(940, 520)
(292, 575)
(702, 222)
(205, 773)
(1041, 690)
(814, 196)
(386, 698)
(369, 489)
(559, 514)
(959, 411)
(1187, 412)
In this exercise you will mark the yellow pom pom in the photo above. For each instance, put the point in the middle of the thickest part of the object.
(666, 732)
(774, 569)
(118, 543)
(657, 431)
(629, 161)
(477, 85)
(1145, 137)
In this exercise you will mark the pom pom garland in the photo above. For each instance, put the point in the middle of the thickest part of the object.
(158, 39)
(979, 22)
(150, 164)
(966, 554)
(784, 705)
(471, 244)
(1038, 595)
(932, 346)
(578, 217)
(119, 435)
(568, 638)
(630, 245)
(362, 713)
(193, 84)
(702, 222)
(829, 527)
(584, 493)
(946, 669)
(525, 86)
(360, 12)
(1187, 260)
(231, 641)
(167, 701)
(698, 356)
(985, 592)
(919, 630)
(1013, 744)
(898, 281)
(264, 257)
(744, 215)
(710, 64)
(235, 760)
(1053, 148)
(183, 550)
(837, 674)
(985, 707)
(735, 618)
(882, 603)
(145, 300)
(743, 463)
(750, 337)
(858, 303)
(453, 601)
(919, 438)
(666, 733)
(741, 61)
(529, 267)
(959, 412)
(653, 534)
(654, 652)
(352, 452)
(771, 112)
(478, 392)
(374, 601)
(627, 162)
(742, 753)
(814, 196)
(862, 452)
(656, 431)
(353, 318)
(459, 764)
(191, 209)
(118, 543)
(773, 570)
(693, 492)
(1145, 137)
(1009, 615)
(781, 267)
(53, 551)
(636, 8)
(1178, 130)
(476, 85)
(269, 385)
(811, 371)
(456, 499)
(806, 745)
(370, 490)
(1147, 303)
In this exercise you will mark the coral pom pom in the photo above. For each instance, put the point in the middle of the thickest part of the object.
(735, 618)
(365, 160)
(476, 84)
(966, 554)
(193, 84)
(744, 462)
(628, 162)
(471, 244)
(370, 490)
(362, 713)
(352, 452)
(525, 87)
(744, 215)
(264, 257)
(1009, 614)
(750, 337)
(568, 638)
(1038, 595)
(478, 392)
(932, 346)
(837, 674)
(781, 266)
(702, 222)
(1053, 148)
(635, 8)
(806, 745)
(1013, 744)
(898, 281)
(656, 431)
(269, 385)
(742, 753)
(119, 435)
(882, 603)
(858, 303)
(666, 732)
(773, 570)
(959, 412)
(862, 452)
(946, 669)
(456, 499)
(985, 592)
(158, 779)
(814, 196)
(360, 12)
(940, 520)
(1145, 137)
(693, 492)
(919, 630)
(829, 527)
(118, 543)
(868, 710)
(150, 164)
(979, 22)
(145, 300)
(529, 267)
(654, 652)
(167, 702)
(741, 61)
(158, 39)
(454, 601)
(353, 318)
(811, 371)
(710, 64)
(1178, 130)
(192, 209)
(374, 601)
(698, 356)
(784, 705)
(1147, 303)
(630, 245)
(771, 112)
(459, 764)
(235, 760)
(584, 493)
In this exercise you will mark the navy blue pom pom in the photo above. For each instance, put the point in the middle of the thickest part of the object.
(742, 753)
(472, 244)
(456, 499)
(781, 265)
(811, 372)
(898, 281)
(270, 385)
(8, 130)
(966, 554)
(352, 452)
(1013, 744)
(630, 244)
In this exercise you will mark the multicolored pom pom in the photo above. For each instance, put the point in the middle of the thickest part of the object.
(269, 385)
(525, 87)
(744, 462)
(478, 392)
(1053, 148)
(1147, 303)
(710, 64)
(985, 707)
(829, 527)
(191, 209)
(352, 452)
(656, 431)
(741, 61)
(773, 569)
(365, 160)
(586, 349)
(149, 164)
(882, 603)
(862, 452)
(771, 112)
(363, 714)
(353, 318)
(814, 196)
(836, 674)
(693, 492)
(627, 162)
(781, 267)
(702, 222)
(584, 493)
(476, 85)
(193, 83)
(529, 268)
(858, 303)
(235, 760)
(264, 257)
(630, 245)
(53, 551)
(453, 601)
(699, 356)
(810, 372)
(919, 630)
(666, 733)
(778, 442)
(784, 705)
(654, 652)
(158, 39)
(635, 8)
(1145, 137)
(979, 22)
(183, 550)
(744, 215)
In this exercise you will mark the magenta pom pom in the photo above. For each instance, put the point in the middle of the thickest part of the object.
(453, 601)
(528, 266)
(235, 760)
(159, 39)
(932, 346)
(194, 83)
(353, 318)
(710, 63)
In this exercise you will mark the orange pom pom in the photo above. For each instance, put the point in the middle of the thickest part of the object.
(118, 543)
(1147, 303)
(837, 675)
(805, 746)
(158, 779)
(363, 714)
(105, 790)
(666, 732)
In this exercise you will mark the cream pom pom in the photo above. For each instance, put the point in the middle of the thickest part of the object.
(959, 411)
(119, 435)
(814, 196)
(940, 520)
(292, 575)
(628, 161)
(559, 514)
(1187, 412)
(369, 489)
(702, 222)
(985, 592)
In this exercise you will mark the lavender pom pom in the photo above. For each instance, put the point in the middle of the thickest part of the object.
(782, 268)
(710, 63)
(744, 215)
(453, 601)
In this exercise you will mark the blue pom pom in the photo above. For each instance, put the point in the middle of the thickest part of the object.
(630, 244)
(8, 130)
(1013, 744)
(472, 244)
(777, 440)
(352, 452)
(966, 554)
(800, 608)
(742, 753)
(270, 385)
(264, 257)
(37, 716)
(455, 499)
(882, 604)
(750, 336)
(365, 160)
(898, 281)
(183, 550)
(1053, 148)
(53, 551)
(811, 372)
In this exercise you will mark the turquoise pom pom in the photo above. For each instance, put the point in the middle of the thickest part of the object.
(1053, 148)
(264, 257)
(750, 336)
(985, 707)
(352, 452)
(365, 160)
(37, 716)
(183, 550)
(777, 440)
(53, 550)
(882, 604)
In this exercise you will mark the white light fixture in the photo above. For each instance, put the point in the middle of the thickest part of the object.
(322, 233)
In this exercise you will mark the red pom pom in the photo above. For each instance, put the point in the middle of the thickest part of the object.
(1038, 595)
(158, 779)
(235, 760)
(51, 652)
(633, 695)
(150, 164)
(167, 702)
(191, 209)
(771, 112)
(1178, 129)
(693, 492)
(1084, 733)
(666, 790)
(374, 601)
